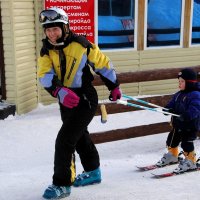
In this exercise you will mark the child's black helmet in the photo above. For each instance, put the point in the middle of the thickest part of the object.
(188, 74)
(190, 77)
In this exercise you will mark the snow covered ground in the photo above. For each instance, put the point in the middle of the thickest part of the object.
(26, 160)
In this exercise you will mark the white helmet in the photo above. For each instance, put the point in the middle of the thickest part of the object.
(53, 15)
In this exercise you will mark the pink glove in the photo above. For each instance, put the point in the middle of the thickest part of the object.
(115, 94)
(66, 97)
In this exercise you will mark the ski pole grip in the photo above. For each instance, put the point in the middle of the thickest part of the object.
(103, 113)
(122, 102)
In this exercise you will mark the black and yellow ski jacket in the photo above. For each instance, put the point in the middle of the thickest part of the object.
(68, 65)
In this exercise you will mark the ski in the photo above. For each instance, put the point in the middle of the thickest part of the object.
(154, 166)
(169, 174)
(151, 167)
(147, 168)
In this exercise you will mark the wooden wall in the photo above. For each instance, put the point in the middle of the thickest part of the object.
(153, 59)
(18, 20)
(22, 36)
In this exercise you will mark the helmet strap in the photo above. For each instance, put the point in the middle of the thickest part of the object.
(57, 44)
(65, 33)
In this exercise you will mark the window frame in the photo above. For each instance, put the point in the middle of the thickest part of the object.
(135, 30)
(181, 32)
(191, 26)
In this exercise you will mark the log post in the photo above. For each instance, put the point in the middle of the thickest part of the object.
(187, 19)
(147, 75)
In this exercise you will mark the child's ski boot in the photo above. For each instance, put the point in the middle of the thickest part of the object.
(168, 159)
(185, 165)
(188, 164)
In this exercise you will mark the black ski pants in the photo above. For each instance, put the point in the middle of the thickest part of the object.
(72, 136)
(185, 137)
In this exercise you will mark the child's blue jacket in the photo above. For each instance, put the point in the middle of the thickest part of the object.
(187, 105)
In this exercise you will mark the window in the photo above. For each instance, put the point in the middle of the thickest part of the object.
(196, 22)
(116, 24)
(164, 23)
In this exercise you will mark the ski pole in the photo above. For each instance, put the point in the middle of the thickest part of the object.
(144, 107)
(144, 102)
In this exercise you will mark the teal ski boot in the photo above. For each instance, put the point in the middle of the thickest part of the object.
(54, 192)
(88, 178)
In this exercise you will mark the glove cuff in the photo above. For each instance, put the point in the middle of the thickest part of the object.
(55, 92)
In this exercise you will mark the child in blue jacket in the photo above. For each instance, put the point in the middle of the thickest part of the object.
(186, 103)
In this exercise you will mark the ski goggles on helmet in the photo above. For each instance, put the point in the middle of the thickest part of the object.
(50, 15)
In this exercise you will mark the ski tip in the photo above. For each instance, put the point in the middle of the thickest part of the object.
(138, 168)
(158, 176)
(146, 168)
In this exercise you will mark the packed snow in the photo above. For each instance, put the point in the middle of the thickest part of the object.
(27, 151)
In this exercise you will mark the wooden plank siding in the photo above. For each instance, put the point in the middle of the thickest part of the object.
(20, 53)
(166, 58)
(154, 59)
(43, 96)
(8, 50)
(25, 56)
(176, 57)
(2, 65)
(124, 61)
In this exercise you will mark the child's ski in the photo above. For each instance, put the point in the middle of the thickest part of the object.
(151, 167)
(147, 168)
(168, 174)
(154, 166)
